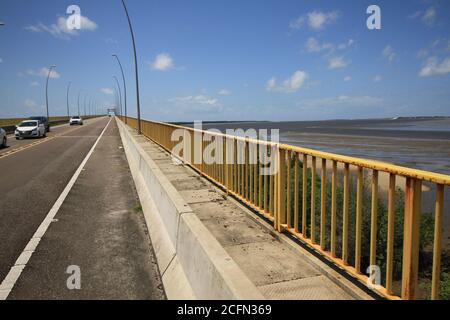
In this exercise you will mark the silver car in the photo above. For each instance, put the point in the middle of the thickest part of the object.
(30, 129)
(3, 138)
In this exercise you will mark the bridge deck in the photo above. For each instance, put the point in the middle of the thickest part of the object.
(279, 269)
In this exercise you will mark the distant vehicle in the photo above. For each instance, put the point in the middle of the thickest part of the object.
(43, 120)
(30, 129)
(76, 120)
(3, 139)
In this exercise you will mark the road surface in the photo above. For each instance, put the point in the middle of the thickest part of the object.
(98, 228)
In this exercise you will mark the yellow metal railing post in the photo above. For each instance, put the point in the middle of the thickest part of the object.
(281, 189)
(390, 237)
(313, 200)
(411, 235)
(333, 210)
(359, 209)
(323, 185)
(296, 195)
(436, 278)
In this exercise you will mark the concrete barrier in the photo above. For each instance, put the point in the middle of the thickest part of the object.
(192, 263)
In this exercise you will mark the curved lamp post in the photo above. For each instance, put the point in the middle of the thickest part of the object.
(135, 68)
(46, 90)
(68, 109)
(124, 88)
(79, 94)
(120, 92)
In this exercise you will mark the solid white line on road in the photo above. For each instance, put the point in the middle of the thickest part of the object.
(15, 272)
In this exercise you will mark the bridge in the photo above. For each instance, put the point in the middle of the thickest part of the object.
(140, 221)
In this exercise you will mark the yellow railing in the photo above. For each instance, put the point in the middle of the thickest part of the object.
(296, 204)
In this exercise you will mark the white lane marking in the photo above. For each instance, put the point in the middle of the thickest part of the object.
(15, 272)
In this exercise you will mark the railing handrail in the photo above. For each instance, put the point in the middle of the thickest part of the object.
(430, 176)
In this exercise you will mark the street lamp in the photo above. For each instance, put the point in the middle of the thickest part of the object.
(79, 94)
(46, 90)
(124, 87)
(135, 68)
(68, 88)
(84, 105)
(120, 93)
(117, 103)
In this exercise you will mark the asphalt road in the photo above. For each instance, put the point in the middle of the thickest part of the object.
(98, 227)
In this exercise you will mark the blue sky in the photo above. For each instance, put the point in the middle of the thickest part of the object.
(231, 60)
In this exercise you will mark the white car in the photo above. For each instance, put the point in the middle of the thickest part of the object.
(30, 129)
(3, 139)
(76, 120)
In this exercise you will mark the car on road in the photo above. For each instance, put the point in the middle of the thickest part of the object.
(3, 138)
(76, 120)
(30, 129)
(43, 120)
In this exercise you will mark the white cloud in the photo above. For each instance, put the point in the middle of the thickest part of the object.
(163, 62)
(34, 84)
(347, 79)
(29, 103)
(389, 53)
(377, 78)
(433, 66)
(316, 20)
(108, 91)
(224, 92)
(346, 45)
(312, 45)
(199, 102)
(59, 28)
(337, 63)
(343, 101)
(292, 84)
(43, 72)
(428, 16)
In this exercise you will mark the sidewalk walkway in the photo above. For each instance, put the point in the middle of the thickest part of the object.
(278, 269)
(101, 229)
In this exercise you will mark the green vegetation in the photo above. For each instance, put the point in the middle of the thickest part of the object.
(426, 228)
(137, 209)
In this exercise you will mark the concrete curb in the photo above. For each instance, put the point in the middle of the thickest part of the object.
(192, 263)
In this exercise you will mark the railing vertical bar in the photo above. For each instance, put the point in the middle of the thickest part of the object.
(345, 214)
(288, 189)
(261, 178)
(246, 186)
(323, 185)
(272, 185)
(266, 184)
(281, 189)
(313, 199)
(436, 278)
(359, 218)
(390, 235)
(296, 195)
(250, 168)
(374, 219)
(304, 194)
(255, 174)
(333, 210)
(411, 237)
